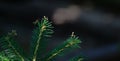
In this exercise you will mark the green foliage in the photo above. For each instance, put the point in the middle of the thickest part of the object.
(77, 58)
(68, 45)
(3, 57)
(11, 51)
(40, 33)
(10, 47)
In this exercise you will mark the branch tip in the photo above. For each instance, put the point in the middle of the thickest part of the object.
(73, 34)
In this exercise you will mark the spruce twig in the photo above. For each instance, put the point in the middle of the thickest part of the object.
(43, 30)
(71, 42)
(8, 39)
(12, 52)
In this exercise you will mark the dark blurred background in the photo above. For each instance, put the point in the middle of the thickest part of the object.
(96, 22)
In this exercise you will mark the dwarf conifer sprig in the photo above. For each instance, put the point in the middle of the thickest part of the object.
(68, 45)
(11, 51)
(10, 46)
(40, 34)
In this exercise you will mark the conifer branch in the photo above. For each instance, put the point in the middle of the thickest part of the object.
(38, 42)
(44, 28)
(71, 42)
(8, 38)
(12, 52)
